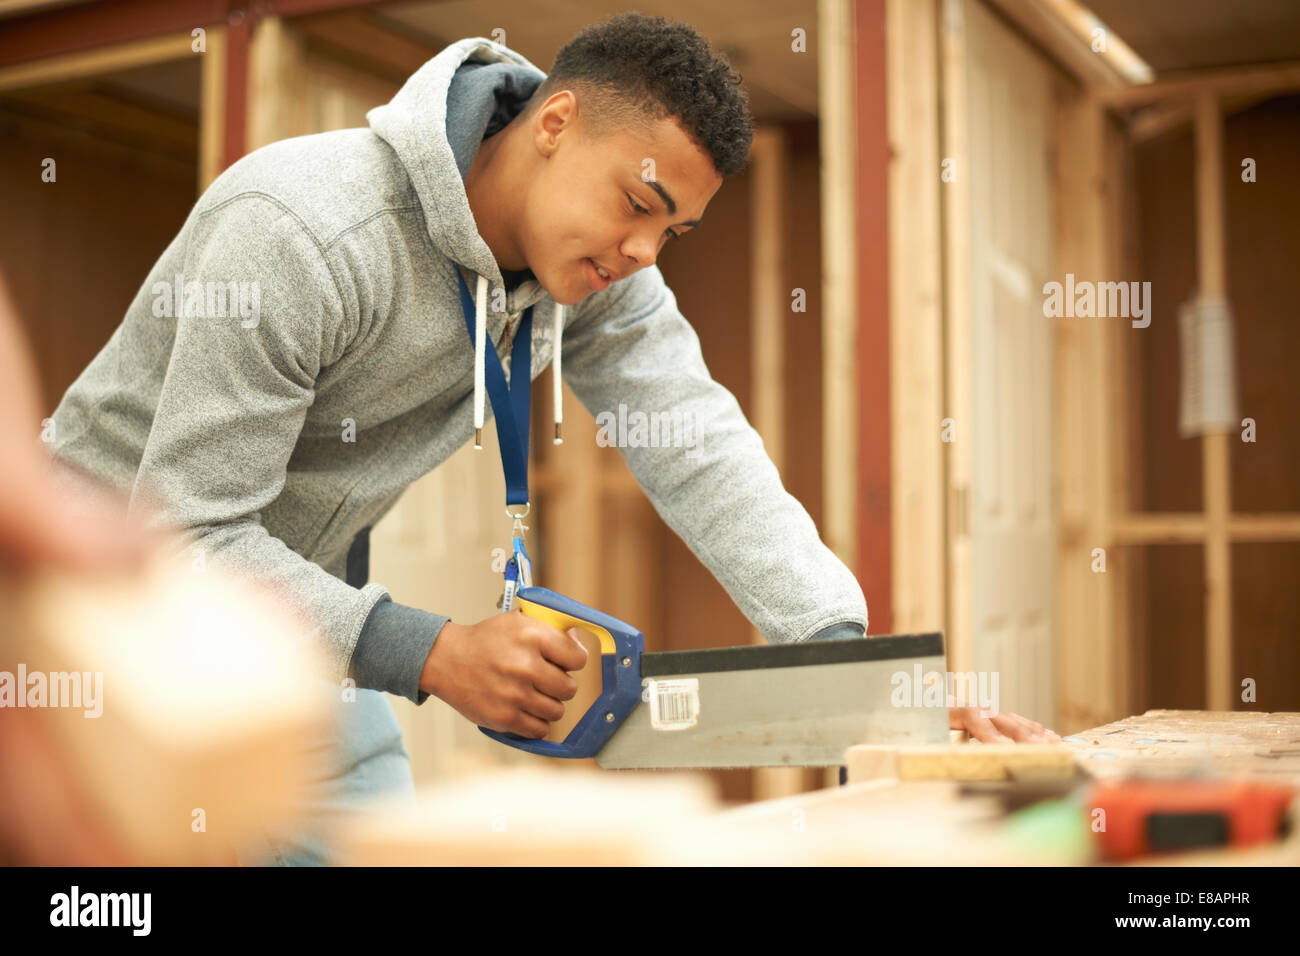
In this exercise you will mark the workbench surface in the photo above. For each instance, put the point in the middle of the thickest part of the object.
(544, 816)
(1261, 746)
(897, 823)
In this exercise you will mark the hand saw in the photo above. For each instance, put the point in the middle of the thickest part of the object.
(762, 705)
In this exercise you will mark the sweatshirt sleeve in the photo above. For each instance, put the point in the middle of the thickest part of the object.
(233, 402)
(713, 483)
(395, 642)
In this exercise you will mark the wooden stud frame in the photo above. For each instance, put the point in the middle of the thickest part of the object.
(1216, 527)
(1094, 470)
(915, 318)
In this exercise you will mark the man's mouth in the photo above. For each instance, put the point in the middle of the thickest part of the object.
(598, 277)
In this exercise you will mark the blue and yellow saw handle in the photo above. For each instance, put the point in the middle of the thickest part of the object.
(621, 646)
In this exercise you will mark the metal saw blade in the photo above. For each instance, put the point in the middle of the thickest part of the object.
(782, 705)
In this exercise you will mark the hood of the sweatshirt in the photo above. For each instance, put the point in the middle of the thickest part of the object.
(436, 122)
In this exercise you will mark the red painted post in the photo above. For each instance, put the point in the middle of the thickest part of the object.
(874, 539)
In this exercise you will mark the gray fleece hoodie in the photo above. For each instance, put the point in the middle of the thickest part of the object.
(344, 247)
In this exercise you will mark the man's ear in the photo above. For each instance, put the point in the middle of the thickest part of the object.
(558, 114)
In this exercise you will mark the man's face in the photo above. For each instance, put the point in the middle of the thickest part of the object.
(609, 200)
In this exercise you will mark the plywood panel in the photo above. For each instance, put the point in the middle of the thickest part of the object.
(1265, 621)
(1263, 245)
(1175, 627)
(1166, 231)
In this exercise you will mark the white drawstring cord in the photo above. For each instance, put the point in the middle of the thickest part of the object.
(557, 383)
(480, 345)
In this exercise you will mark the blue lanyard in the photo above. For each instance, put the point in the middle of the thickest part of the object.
(510, 409)
(509, 402)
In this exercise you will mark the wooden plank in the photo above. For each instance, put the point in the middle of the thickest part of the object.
(357, 38)
(1264, 527)
(177, 767)
(838, 134)
(1075, 694)
(1106, 659)
(535, 816)
(1212, 283)
(1118, 348)
(915, 317)
(1061, 43)
(212, 107)
(1225, 81)
(1115, 53)
(769, 299)
(99, 28)
(1166, 116)
(1158, 528)
(1158, 119)
(957, 232)
(95, 26)
(1190, 528)
(277, 97)
(1211, 258)
(977, 761)
(9, 8)
(73, 66)
(1085, 636)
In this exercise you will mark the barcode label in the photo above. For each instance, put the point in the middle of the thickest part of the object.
(674, 704)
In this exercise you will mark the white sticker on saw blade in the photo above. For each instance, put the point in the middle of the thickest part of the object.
(674, 704)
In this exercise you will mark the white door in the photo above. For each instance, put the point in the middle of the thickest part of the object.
(1000, 227)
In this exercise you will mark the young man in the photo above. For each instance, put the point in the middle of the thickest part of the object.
(534, 190)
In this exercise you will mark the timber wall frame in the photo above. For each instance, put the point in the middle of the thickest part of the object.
(1103, 681)
(1099, 664)
(1218, 527)
(50, 44)
(64, 43)
(880, 103)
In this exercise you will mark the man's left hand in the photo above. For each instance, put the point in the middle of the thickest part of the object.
(1000, 728)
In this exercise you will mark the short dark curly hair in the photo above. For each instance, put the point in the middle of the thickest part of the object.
(632, 65)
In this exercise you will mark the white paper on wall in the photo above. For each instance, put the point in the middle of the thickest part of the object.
(1208, 378)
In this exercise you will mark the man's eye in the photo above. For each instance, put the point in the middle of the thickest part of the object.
(637, 207)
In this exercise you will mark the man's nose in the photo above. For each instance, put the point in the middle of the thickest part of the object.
(640, 251)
